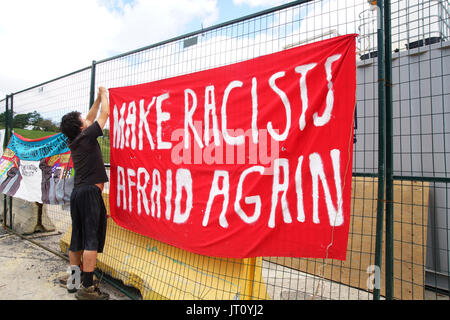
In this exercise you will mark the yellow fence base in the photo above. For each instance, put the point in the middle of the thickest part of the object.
(161, 271)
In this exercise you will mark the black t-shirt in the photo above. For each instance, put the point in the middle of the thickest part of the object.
(87, 157)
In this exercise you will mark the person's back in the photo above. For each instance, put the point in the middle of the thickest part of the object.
(87, 157)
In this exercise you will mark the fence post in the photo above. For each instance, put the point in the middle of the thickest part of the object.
(249, 283)
(389, 245)
(381, 142)
(92, 89)
(5, 143)
(11, 115)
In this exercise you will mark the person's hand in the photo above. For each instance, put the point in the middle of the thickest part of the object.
(101, 91)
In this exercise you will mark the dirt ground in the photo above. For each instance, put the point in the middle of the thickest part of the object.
(28, 272)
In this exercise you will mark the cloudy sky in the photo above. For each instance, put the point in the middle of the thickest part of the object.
(44, 39)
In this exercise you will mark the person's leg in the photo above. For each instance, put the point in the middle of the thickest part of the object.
(72, 280)
(75, 258)
(89, 261)
(91, 243)
(76, 239)
(92, 213)
(75, 262)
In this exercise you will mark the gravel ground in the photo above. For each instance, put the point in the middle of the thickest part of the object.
(28, 272)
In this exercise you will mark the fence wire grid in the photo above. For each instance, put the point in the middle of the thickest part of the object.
(414, 256)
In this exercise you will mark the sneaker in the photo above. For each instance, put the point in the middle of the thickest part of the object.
(91, 293)
(63, 283)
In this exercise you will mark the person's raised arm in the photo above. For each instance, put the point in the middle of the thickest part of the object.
(92, 114)
(104, 110)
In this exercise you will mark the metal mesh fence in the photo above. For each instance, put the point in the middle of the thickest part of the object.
(51, 100)
(420, 100)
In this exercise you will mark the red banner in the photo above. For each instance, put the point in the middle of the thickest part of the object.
(249, 159)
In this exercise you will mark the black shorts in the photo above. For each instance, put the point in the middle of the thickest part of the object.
(88, 213)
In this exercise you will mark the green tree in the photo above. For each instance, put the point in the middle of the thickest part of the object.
(47, 125)
(35, 117)
(21, 120)
(2, 119)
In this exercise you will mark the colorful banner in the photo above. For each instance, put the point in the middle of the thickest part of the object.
(37, 170)
(249, 159)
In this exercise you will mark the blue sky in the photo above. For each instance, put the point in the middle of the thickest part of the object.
(228, 10)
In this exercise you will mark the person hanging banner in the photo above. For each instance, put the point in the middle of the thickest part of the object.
(37, 170)
(249, 159)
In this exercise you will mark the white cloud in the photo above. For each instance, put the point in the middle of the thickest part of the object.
(49, 38)
(146, 22)
(52, 38)
(45, 39)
